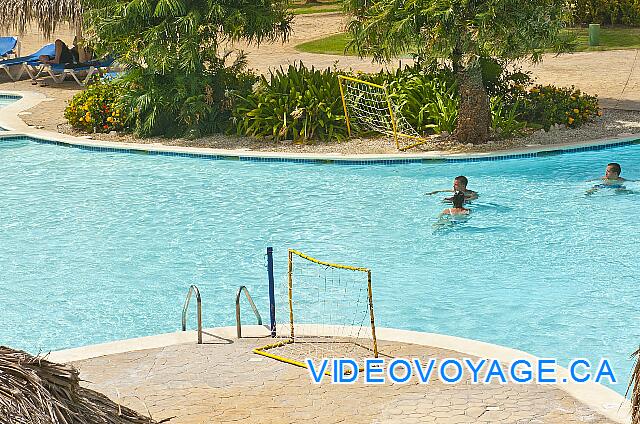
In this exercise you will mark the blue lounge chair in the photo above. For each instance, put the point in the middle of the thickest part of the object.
(28, 64)
(9, 46)
(59, 72)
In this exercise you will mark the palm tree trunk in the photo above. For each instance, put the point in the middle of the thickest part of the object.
(474, 116)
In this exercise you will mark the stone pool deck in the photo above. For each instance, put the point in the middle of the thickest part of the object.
(222, 381)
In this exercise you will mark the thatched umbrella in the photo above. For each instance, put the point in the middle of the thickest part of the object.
(36, 391)
(16, 15)
(634, 386)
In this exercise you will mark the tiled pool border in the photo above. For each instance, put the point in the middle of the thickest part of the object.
(16, 129)
(10, 96)
(140, 149)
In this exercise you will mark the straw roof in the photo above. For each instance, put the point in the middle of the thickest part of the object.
(16, 15)
(634, 387)
(36, 391)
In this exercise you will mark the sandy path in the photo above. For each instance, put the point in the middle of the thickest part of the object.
(307, 28)
(613, 75)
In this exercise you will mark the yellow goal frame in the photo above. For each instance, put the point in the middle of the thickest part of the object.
(264, 350)
(396, 134)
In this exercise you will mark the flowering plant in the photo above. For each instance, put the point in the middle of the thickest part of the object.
(96, 109)
(548, 105)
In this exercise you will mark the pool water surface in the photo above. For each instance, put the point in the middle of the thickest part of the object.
(98, 246)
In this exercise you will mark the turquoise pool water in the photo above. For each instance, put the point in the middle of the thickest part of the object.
(98, 246)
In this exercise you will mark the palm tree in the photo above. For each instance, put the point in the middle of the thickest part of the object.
(462, 33)
(17, 15)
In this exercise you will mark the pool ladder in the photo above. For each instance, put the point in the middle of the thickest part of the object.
(244, 290)
(194, 289)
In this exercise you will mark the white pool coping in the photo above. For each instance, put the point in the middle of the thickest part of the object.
(11, 121)
(596, 396)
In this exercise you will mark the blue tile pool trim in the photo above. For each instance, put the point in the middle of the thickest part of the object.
(10, 97)
(324, 161)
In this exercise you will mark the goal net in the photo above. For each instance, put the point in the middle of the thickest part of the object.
(368, 106)
(323, 310)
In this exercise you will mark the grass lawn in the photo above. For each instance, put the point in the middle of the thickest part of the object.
(333, 44)
(610, 39)
(299, 7)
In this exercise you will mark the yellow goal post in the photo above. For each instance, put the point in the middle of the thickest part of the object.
(327, 306)
(369, 106)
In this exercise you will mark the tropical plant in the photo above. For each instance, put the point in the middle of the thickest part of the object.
(429, 101)
(298, 103)
(178, 77)
(180, 104)
(505, 121)
(462, 32)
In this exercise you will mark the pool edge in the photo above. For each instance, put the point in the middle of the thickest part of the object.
(17, 128)
(598, 397)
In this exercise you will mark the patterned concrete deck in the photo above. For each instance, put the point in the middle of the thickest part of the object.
(221, 381)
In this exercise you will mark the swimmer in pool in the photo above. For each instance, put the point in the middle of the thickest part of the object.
(611, 179)
(459, 185)
(458, 205)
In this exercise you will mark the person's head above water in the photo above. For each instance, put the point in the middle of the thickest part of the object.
(460, 183)
(458, 199)
(613, 171)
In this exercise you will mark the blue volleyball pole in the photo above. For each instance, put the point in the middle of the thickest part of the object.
(272, 296)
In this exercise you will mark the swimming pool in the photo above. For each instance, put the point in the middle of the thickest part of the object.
(98, 246)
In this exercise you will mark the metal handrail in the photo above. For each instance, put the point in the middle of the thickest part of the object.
(253, 306)
(185, 308)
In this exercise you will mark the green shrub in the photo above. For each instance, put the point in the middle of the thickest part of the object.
(302, 104)
(547, 105)
(97, 108)
(505, 120)
(297, 103)
(606, 12)
(429, 101)
(427, 98)
(516, 101)
(177, 104)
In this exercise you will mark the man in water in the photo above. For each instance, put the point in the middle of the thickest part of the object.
(459, 184)
(611, 179)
